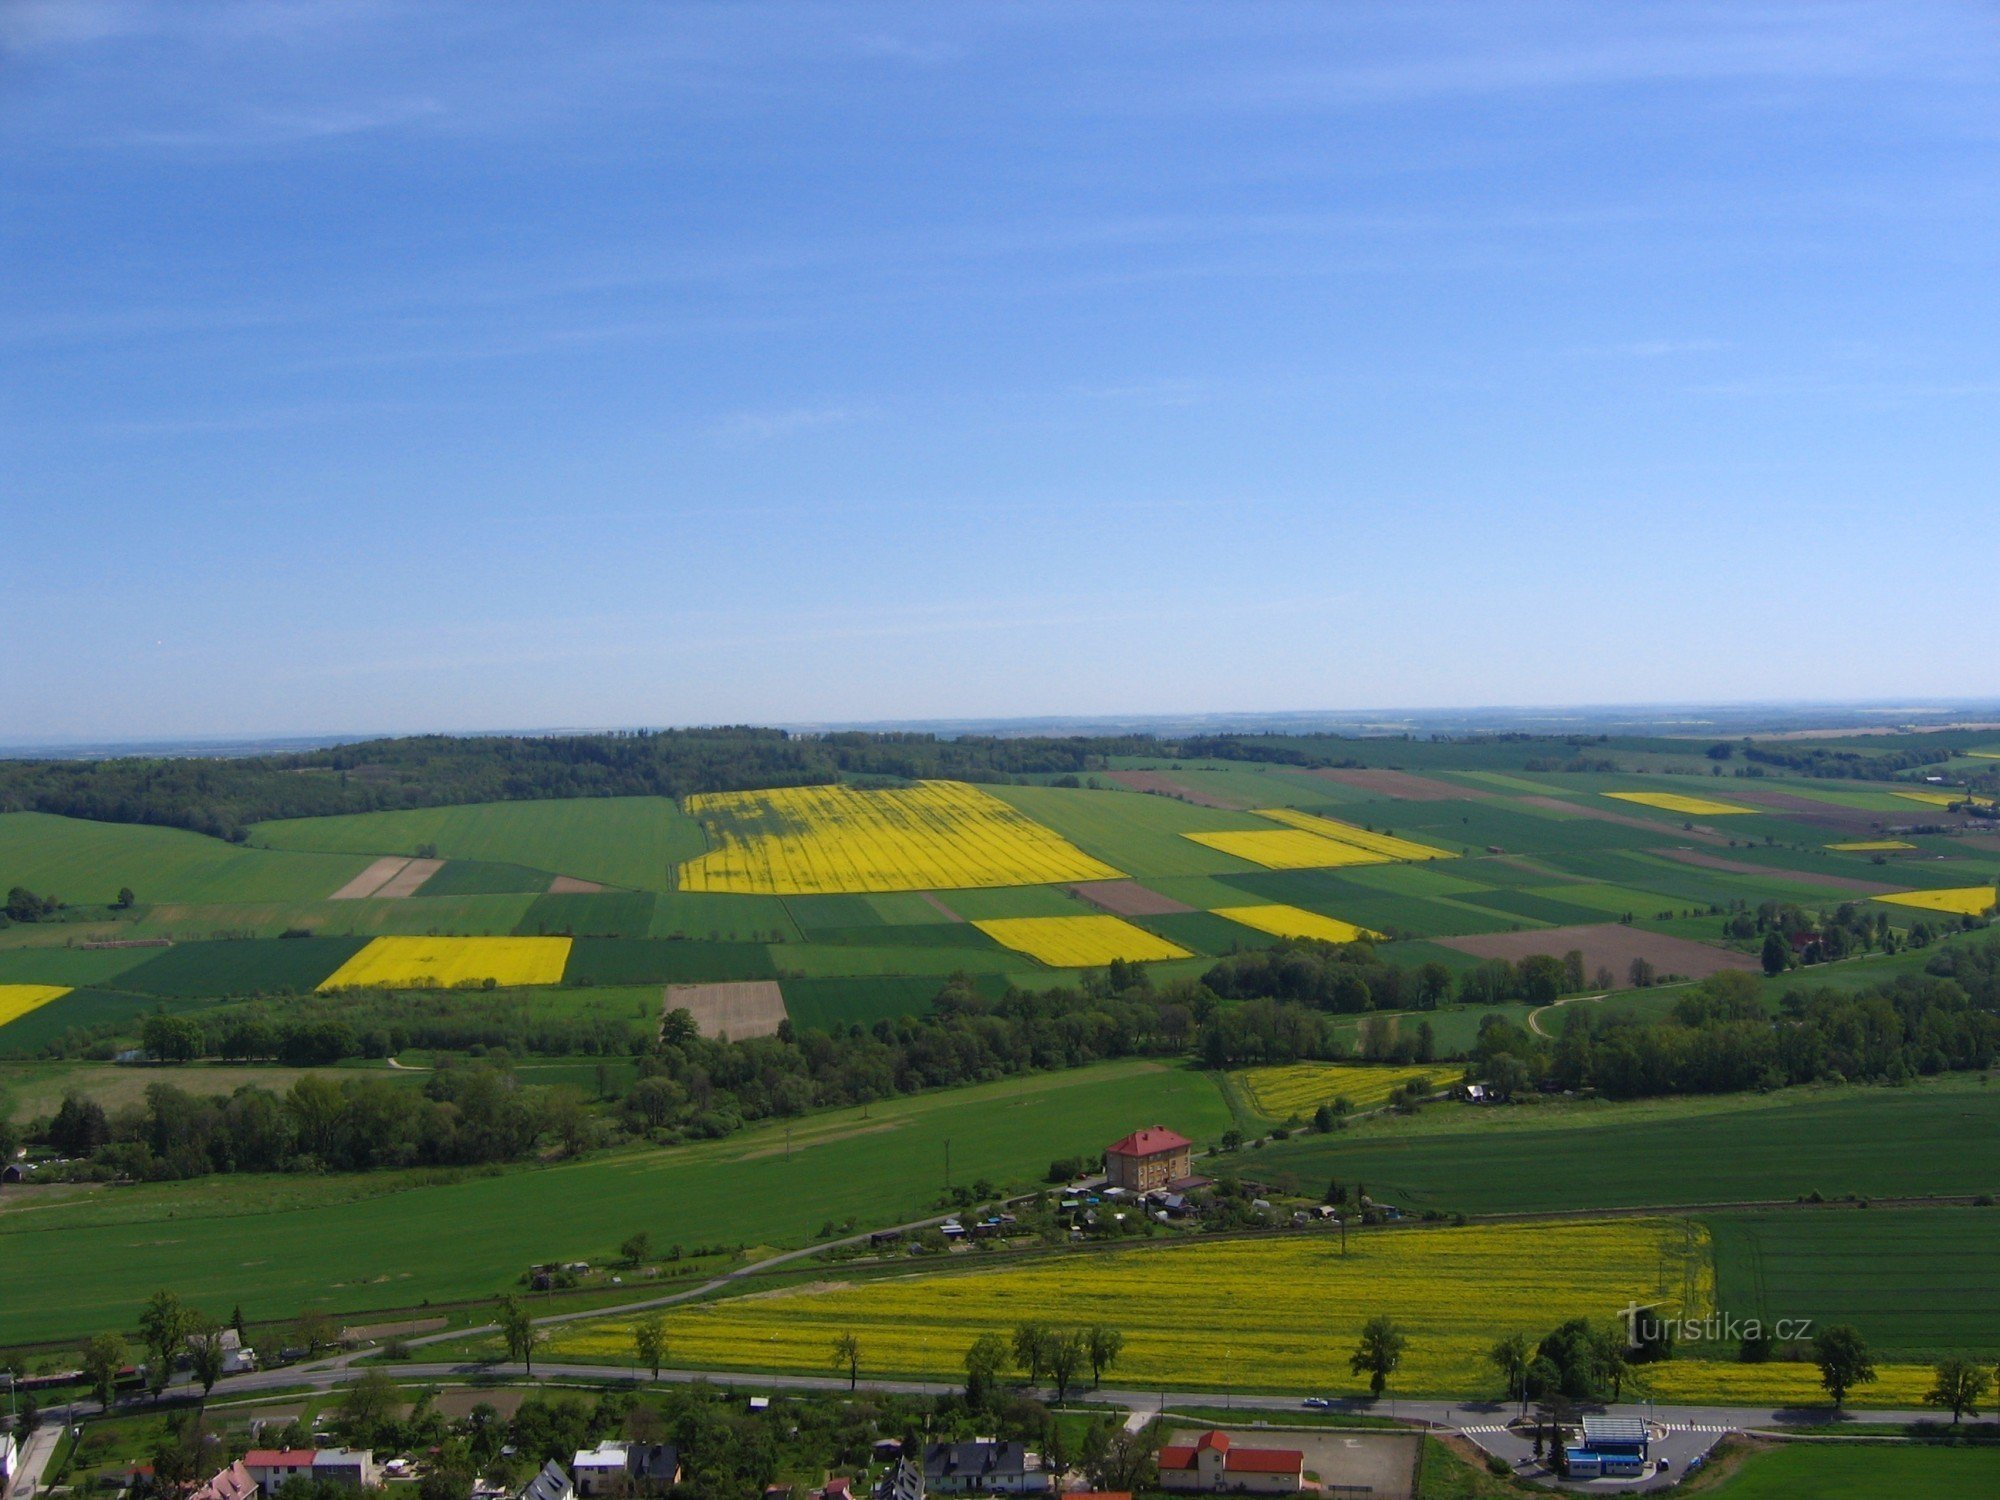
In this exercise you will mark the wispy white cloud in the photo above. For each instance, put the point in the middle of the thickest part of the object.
(770, 426)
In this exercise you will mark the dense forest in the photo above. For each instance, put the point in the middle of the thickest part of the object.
(223, 796)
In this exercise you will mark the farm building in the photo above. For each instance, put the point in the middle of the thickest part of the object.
(1211, 1463)
(1148, 1159)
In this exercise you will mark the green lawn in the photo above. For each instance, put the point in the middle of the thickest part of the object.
(623, 841)
(1730, 1148)
(274, 1245)
(1861, 1471)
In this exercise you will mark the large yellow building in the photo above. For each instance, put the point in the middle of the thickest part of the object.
(1148, 1159)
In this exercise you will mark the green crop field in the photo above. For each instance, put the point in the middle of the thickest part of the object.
(84, 1010)
(1860, 1471)
(86, 863)
(626, 914)
(1853, 1265)
(250, 967)
(354, 1245)
(1726, 1149)
(72, 966)
(1135, 832)
(622, 841)
(473, 877)
(657, 961)
(837, 1003)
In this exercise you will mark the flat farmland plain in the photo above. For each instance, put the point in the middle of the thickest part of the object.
(86, 863)
(360, 1243)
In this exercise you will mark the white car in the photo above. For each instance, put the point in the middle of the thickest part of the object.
(1318, 1403)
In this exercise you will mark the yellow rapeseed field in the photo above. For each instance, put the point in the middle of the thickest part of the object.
(1289, 1089)
(16, 1000)
(443, 962)
(1724, 1382)
(1945, 799)
(1860, 846)
(1967, 901)
(1079, 942)
(936, 835)
(1288, 849)
(1699, 807)
(1384, 844)
(1278, 1314)
(1295, 922)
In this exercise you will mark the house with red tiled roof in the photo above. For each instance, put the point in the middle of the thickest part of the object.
(1148, 1159)
(232, 1483)
(273, 1468)
(1211, 1464)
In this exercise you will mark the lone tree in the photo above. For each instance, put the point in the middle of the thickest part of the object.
(1960, 1386)
(1103, 1346)
(847, 1351)
(517, 1329)
(1842, 1356)
(1031, 1350)
(1379, 1352)
(649, 1339)
(206, 1357)
(1511, 1357)
(638, 1249)
(1067, 1353)
(983, 1362)
(164, 1325)
(103, 1358)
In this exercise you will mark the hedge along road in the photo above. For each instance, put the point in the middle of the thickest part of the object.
(87, 1263)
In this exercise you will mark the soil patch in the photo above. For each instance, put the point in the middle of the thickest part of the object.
(1166, 786)
(569, 885)
(1605, 815)
(742, 1009)
(376, 1332)
(1611, 945)
(1400, 784)
(932, 899)
(404, 882)
(370, 880)
(459, 1403)
(1797, 877)
(1128, 898)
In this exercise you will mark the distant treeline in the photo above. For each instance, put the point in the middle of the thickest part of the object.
(223, 797)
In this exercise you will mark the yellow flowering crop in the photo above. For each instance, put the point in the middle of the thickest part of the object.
(1700, 807)
(1384, 844)
(1288, 1089)
(1295, 922)
(1079, 942)
(1268, 1313)
(16, 1000)
(443, 962)
(1726, 1382)
(1859, 846)
(936, 835)
(1288, 849)
(1945, 799)
(1967, 901)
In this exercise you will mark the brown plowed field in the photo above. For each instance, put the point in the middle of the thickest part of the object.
(1610, 945)
(1159, 781)
(1797, 877)
(746, 1008)
(1852, 820)
(406, 880)
(569, 885)
(371, 880)
(1400, 784)
(1605, 815)
(1128, 898)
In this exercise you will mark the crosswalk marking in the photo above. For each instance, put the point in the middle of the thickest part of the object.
(1494, 1427)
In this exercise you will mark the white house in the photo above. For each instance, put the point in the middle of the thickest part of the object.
(600, 1470)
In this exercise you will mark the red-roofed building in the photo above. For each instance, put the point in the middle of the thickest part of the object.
(1213, 1464)
(233, 1483)
(1148, 1159)
(272, 1468)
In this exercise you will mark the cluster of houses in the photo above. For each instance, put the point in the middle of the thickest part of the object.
(263, 1472)
(1211, 1464)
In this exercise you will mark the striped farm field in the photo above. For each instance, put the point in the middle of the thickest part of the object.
(1964, 901)
(1945, 799)
(1295, 922)
(16, 1000)
(446, 962)
(1288, 849)
(936, 835)
(1867, 846)
(1273, 1314)
(1290, 1089)
(1383, 844)
(1675, 802)
(1079, 942)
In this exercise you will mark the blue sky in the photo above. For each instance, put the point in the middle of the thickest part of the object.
(382, 366)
